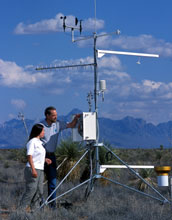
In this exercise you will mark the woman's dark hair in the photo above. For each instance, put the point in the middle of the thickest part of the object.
(48, 110)
(36, 130)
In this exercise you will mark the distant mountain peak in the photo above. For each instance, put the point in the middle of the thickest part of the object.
(74, 111)
(128, 132)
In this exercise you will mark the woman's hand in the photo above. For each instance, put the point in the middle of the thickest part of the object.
(30, 160)
(34, 173)
(48, 161)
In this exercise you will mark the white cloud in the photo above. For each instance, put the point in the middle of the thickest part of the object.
(44, 26)
(125, 96)
(18, 103)
(56, 91)
(90, 24)
(146, 99)
(11, 116)
(112, 62)
(12, 75)
(56, 25)
(142, 43)
(146, 43)
(119, 83)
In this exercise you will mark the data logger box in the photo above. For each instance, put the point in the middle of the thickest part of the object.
(85, 128)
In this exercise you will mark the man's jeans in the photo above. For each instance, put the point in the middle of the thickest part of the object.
(50, 171)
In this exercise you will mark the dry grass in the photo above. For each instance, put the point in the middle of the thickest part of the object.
(104, 203)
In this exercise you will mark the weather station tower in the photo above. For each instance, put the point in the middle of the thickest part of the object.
(87, 129)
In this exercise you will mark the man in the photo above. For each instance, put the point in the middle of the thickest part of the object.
(52, 128)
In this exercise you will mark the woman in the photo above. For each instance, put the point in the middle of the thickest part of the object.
(34, 170)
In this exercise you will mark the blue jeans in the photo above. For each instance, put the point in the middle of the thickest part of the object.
(50, 171)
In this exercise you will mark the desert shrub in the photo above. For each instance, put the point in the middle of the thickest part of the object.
(6, 164)
(19, 155)
(148, 175)
(104, 202)
(67, 155)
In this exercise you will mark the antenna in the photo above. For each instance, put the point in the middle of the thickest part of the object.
(95, 15)
(21, 116)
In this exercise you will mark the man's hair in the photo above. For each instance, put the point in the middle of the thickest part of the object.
(48, 110)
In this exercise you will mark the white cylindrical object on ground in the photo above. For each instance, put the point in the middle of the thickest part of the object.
(163, 181)
(162, 172)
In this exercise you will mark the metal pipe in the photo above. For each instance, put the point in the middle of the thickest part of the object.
(133, 171)
(64, 178)
(136, 190)
(103, 52)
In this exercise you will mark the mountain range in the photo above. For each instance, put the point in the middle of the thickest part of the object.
(128, 132)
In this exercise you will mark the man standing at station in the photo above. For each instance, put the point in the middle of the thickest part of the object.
(52, 128)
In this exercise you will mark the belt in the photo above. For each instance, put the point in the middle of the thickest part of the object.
(49, 153)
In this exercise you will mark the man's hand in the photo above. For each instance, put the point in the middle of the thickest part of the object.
(73, 123)
(77, 116)
(48, 161)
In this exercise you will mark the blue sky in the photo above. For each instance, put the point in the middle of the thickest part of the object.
(32, 36)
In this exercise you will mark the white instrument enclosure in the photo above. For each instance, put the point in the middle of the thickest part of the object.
(88, 124)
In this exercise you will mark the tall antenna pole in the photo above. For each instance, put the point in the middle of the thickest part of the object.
(95, 72)
(97, 164)
(95, 15)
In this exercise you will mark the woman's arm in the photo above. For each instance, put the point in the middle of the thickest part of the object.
(34, 173)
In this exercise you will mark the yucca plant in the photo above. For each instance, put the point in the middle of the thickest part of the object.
(67, 155)
(146, 174)
(103, 159)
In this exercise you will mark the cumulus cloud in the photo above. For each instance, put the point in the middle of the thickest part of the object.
(111, 62)
(146, 43)
(142, 43)
(124, 88)
(56, 25)
(125, 96)
(18, 103)
(119, 83)
(12, 75)
(146, 99)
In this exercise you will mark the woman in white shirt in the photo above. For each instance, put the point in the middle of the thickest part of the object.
(34, 170)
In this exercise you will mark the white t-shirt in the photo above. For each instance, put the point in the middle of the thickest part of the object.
(37, 151)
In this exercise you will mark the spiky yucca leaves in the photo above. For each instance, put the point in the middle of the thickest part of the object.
(68, 152)
(105, 157)
(147, 175)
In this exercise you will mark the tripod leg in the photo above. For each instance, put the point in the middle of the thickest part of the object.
(90, 186)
